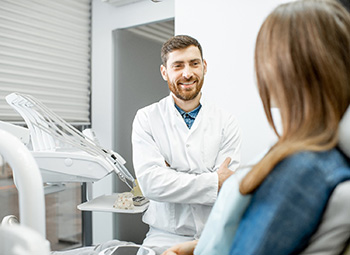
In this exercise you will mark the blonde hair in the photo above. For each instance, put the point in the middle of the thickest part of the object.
(302, 63)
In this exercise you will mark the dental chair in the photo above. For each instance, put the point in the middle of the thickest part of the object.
(334, 232)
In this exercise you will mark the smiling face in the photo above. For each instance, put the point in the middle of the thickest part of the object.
(184, 73)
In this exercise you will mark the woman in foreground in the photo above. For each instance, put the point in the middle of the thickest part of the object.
(302, 63)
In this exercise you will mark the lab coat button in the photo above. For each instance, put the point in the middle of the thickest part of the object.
(187, 145)
(68, 161)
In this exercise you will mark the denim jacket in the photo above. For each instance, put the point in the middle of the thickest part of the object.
(287, 207)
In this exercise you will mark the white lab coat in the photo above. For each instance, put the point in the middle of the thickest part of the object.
(182, 195)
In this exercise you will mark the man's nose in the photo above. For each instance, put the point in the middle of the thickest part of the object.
(187, 72)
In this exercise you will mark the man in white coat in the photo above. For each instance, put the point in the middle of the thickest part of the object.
(183, 147)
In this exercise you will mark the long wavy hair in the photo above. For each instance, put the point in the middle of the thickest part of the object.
(302, 64)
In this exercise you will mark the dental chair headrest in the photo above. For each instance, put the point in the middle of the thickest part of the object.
(344, 133)
(344, 129)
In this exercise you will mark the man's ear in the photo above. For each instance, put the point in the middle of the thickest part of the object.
(163, 72)
(205, 66)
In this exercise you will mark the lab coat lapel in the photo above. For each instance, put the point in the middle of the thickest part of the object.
(176, 117)
(199, 117)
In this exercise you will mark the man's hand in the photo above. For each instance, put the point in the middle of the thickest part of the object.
(224, 172)
(186, 248)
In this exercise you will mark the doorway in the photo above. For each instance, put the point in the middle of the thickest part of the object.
(137, 83)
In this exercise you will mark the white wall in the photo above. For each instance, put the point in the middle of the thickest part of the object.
(105, 19)
(227, 31)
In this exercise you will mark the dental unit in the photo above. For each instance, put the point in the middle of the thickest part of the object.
(63, 153)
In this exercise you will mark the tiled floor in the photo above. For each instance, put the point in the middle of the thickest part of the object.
(63, 219)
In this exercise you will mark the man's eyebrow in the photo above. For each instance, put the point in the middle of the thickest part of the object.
(177, 62)
(181, 61)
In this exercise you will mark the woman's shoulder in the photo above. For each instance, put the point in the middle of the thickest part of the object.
(331, 166)
(326, 160)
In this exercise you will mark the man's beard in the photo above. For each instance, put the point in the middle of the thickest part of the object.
(185, 94)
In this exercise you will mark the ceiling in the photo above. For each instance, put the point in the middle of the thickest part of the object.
(159, 31)
(125, 2)
(120, 2)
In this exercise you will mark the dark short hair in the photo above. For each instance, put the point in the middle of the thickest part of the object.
(176, 43)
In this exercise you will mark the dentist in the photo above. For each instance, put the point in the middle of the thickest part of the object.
(184, 148)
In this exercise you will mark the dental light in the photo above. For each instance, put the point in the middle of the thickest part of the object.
(63, 153)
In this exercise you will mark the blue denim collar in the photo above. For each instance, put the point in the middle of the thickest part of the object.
(189, 117)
